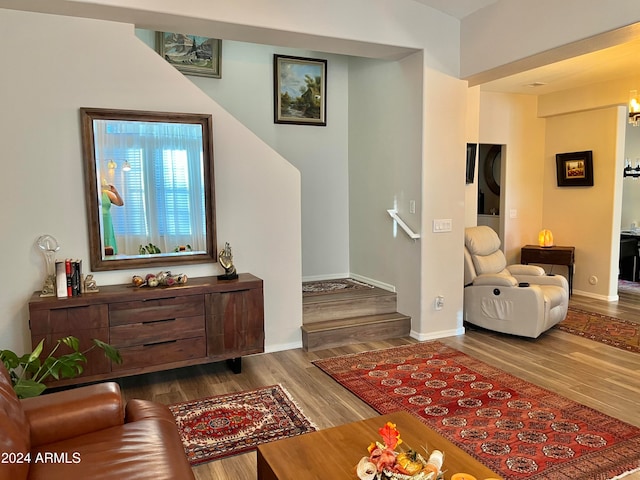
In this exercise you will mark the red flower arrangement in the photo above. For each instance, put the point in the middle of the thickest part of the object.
(385, 462)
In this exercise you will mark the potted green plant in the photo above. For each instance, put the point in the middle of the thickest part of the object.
(28, 372)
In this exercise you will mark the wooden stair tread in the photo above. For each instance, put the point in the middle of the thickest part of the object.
(348, 316)
(352, 322)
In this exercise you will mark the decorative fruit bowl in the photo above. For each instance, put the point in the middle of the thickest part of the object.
(161, 279)
(385, 462)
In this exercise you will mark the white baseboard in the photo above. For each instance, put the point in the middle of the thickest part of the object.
(606, 298)
(282, 347)
(319, 278)
(436, 335)
(375, 283)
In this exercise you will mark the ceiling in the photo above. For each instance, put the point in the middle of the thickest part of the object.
(618, 61)
(457, 8)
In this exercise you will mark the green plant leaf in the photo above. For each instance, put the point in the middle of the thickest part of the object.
(31, 367)
(68, 370)
(36, 352)
(26, 388)
(71, 342)
(10, 359)
(65, 366)
(69, 366)
(109, 351)
(49, 367)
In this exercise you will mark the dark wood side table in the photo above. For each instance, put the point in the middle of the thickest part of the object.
(550, 256)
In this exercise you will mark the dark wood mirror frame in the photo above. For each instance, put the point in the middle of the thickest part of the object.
(97, 260)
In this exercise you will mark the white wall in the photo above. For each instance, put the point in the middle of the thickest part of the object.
(368, 28)
(514, 30)
(472, 135)
(600, 100)
(588, 217)
(385, 165)
(319, 153)
(511, 120)
(443, 195)
(65, 63)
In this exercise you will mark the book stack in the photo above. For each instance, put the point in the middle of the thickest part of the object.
(68, 278)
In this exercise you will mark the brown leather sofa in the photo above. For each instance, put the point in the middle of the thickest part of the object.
(87, 433)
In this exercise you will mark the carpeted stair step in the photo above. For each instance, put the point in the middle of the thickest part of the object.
(345, 331)
(340, 305)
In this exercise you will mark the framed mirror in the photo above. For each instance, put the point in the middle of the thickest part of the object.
(492, 168)
(149, 188)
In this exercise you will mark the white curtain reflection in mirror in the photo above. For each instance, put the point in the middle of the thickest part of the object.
(162, 192)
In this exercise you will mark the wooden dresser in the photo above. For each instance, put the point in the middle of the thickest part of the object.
(205, 320)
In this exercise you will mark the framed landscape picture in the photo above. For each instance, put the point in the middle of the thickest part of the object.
(191, 54)
(300, 91)
(575, 169)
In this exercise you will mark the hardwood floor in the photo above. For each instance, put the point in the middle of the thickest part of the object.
(602, 377)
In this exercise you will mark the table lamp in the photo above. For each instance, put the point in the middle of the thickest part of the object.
(545, 238)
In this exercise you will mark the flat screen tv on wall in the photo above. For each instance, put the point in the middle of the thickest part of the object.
(471, 161)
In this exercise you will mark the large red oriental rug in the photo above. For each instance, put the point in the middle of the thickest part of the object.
(224, 425)
(515, 428)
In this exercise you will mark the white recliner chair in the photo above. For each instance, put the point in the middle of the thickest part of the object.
(516, 299)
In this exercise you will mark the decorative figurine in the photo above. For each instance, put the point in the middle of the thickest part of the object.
(225, 257)
(90, 285)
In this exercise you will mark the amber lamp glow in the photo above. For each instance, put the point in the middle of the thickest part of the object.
(545, 238)
(634, 108)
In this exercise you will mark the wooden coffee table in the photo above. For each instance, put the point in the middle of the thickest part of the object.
(334, 452)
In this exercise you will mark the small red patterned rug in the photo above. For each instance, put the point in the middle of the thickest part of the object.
(602, 328)
(234, 423)
(515, 428)
(320, 287)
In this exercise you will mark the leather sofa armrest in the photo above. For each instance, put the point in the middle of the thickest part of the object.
(495, 279)
(138, 409)
(70, 413)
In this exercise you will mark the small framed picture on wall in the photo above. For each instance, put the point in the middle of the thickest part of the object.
(300, 90)
(191, 54)
(575, 169)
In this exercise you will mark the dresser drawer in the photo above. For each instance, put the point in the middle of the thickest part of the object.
(71, 319)
(156, 309)
(156, 331)
(149, 355)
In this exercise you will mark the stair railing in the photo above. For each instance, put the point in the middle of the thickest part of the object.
(394, 214)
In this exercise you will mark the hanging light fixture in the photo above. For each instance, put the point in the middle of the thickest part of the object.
(634, 108)
(630, 171)
(126, 166)
(111, 165)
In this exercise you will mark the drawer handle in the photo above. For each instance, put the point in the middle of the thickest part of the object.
(156, 299)
(159, 321)
(158, 343)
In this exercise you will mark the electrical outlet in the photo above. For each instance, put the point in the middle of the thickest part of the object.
(412, 206)
(439, 303)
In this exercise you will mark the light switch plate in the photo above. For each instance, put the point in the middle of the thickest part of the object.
(442, 225)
